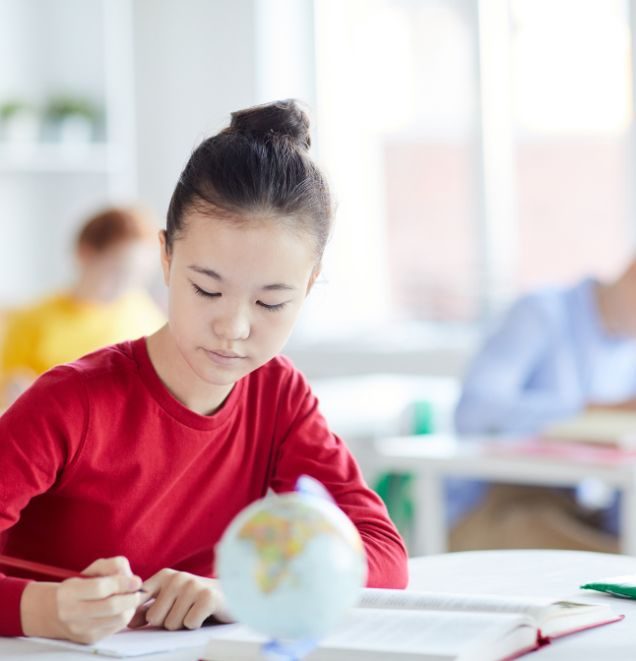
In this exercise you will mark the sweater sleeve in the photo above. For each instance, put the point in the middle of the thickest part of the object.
(36, 443)
(308, 447)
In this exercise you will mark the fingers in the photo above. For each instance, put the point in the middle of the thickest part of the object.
(199, 612)
(89, 609)
(90, 632)
(83, 626)
(192, 595)
(158, 581)
(158, 611)
(112, 606)
(71, 606)
(108, 566)
(102, 587)
(181, 600)
(139, 618)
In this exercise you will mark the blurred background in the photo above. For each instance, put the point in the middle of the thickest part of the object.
(477, 149)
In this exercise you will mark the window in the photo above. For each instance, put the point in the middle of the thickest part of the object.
(395, 115)
(472, 145)
(571, 75)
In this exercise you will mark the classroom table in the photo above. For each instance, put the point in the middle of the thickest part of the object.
(433, 458)
(523, 573)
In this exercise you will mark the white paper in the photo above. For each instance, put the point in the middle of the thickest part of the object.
(136, 642)
(539, 608)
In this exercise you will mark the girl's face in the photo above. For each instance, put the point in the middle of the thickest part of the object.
(235, 291)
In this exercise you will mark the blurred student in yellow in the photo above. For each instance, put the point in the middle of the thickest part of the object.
(106, 304)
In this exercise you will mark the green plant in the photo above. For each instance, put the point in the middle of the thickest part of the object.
(13, 107)
(62, 106)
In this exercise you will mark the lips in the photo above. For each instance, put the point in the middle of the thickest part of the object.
(224, 357)
(226, 354)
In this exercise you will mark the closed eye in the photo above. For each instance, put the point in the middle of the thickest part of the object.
(203, 292)
(272, 308)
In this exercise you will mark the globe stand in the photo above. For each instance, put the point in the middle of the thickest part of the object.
(277, 650)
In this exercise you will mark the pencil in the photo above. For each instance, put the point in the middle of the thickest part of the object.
(39, 568)
(44, 570)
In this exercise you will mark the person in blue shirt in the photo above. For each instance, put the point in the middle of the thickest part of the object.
(557, 352)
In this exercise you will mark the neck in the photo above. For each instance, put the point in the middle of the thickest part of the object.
(179, 378)
(616, 303)
(89, 288)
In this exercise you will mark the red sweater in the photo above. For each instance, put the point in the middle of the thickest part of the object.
(98, 459)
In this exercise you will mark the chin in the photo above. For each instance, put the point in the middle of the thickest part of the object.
(222, 377)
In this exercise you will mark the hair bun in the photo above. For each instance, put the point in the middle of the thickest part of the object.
(283, 118)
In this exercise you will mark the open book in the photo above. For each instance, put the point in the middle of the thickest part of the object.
(393, 625)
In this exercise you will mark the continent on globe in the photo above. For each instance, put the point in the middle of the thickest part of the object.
(279, 537)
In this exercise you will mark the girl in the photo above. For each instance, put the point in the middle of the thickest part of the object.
(143, 452)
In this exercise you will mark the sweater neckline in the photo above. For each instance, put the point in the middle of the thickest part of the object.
(174, 407)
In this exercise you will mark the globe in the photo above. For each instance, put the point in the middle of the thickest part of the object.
(290, 566)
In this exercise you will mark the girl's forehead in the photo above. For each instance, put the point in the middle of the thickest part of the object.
(242, 227)
(267, 245)
(265, 231)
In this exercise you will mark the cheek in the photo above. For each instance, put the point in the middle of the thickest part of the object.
(282, 323)
(184, 313)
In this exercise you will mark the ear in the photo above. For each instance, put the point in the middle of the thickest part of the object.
(165, 257)
(312, 278)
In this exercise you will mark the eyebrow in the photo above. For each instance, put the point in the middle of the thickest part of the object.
(277, 286)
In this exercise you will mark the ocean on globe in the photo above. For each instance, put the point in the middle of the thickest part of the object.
(291, 565)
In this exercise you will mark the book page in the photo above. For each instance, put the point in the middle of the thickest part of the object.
(554, 617)
(486, 603)
(439, 634)
(376, 634)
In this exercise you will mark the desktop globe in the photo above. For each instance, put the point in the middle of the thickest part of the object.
(291, 565)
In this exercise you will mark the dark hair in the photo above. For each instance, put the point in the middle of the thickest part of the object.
(260, 164)
(115, 225)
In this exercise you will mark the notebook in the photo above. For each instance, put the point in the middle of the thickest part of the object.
(137, 642)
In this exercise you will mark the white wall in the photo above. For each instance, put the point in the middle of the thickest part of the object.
(46, 48)
(194, 64)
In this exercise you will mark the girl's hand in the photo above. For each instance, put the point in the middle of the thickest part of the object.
(181, 600)
(83, 610)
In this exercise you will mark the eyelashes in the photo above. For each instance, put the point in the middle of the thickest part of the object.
(272, 308)
(202, 292)
(208, 294)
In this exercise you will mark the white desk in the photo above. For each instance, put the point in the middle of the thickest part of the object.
(524, 573)
(433, 458)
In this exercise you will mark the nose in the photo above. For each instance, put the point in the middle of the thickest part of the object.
(232, 323)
